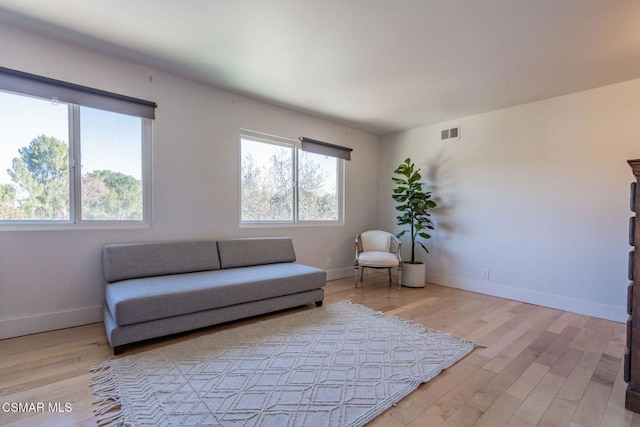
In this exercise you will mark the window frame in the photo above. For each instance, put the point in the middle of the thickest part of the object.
(296, 148)
(75, 221)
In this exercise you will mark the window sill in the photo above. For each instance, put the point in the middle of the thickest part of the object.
(71, 226)
(291, 224)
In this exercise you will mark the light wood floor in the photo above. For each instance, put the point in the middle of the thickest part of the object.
(541, 366)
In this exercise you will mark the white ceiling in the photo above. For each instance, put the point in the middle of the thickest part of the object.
(378, 65)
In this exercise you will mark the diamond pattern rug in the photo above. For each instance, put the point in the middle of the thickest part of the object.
(338, 365)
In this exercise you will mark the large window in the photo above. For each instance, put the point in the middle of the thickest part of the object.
(280, 183)
(66, 163)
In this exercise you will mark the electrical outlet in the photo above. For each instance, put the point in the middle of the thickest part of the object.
(485, 274)
(328, 263)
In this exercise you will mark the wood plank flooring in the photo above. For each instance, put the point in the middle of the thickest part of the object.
(540, 366)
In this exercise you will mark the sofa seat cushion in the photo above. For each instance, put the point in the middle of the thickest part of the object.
(378, 259)
(150, 298)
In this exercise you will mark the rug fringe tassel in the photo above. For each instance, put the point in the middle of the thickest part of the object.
(101, 367)
(111, 420)
(105, 389)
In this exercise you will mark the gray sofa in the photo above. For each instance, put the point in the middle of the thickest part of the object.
(161, 288)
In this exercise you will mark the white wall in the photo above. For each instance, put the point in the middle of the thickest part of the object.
(53, 279)
(538, 194)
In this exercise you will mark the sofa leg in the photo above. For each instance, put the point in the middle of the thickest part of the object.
(119, 349)
(318, 303)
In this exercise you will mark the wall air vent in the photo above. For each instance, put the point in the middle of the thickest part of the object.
(452, 133)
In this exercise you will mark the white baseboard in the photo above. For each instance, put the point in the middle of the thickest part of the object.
(10, 328)
(27, 325)
(574, 305)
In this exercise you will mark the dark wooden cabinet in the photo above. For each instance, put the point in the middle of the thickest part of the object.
(632, 352)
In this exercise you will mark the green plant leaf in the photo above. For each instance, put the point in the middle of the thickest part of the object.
(413, 202)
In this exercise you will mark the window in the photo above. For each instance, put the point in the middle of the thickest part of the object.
(318, 184)
(63, 162)
(111, 172)
(280, 183)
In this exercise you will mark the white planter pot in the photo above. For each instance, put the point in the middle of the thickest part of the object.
(413, 275)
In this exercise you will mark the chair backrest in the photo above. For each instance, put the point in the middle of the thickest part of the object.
(375, 240)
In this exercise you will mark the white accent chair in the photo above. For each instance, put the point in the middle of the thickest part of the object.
(377, 249)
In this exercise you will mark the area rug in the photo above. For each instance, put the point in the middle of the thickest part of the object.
(338, 365)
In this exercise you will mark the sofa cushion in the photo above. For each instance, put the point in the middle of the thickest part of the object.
(133, 260)
(150, 298)
(255, 251)
(378, 259)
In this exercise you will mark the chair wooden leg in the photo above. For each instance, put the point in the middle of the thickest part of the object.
(361, 274)
(355, 276)
(399, 277)
(389, 270)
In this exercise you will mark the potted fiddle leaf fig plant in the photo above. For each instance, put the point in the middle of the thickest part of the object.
(414, 205)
